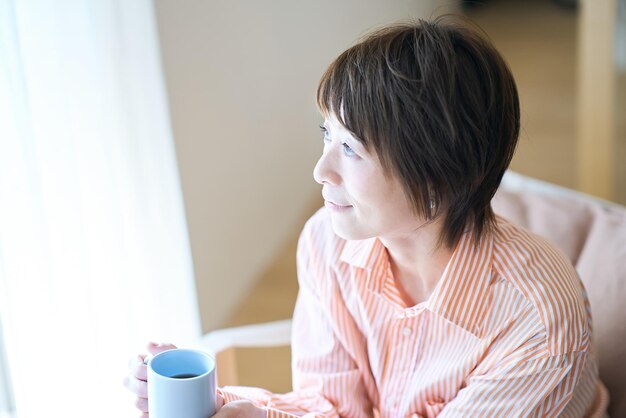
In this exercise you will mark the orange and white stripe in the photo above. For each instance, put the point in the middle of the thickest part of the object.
(505, 333)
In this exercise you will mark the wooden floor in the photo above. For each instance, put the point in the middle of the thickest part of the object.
(537, 38)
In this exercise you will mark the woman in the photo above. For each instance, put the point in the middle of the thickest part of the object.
(415, 299)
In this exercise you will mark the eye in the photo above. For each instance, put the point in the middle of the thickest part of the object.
(347, 150)
(324, 132)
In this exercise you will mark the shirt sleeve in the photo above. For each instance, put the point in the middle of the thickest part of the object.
(541, 387)
(326, 380)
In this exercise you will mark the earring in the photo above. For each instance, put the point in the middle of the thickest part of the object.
(432, 204)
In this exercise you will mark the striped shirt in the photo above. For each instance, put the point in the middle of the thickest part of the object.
(506, 332)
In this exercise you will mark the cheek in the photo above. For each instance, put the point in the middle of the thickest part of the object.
(365, 192)
(373, 195)
(359, 190)
(388, 203)
(373, 201)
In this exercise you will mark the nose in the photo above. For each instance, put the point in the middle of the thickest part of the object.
(325, 171)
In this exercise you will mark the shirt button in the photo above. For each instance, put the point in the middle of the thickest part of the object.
(406, 331)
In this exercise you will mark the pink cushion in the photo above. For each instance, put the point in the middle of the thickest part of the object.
(593, 236)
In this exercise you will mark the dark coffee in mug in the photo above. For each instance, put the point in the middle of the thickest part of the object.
(184, 376)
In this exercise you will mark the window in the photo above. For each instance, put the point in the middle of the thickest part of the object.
(7, 405)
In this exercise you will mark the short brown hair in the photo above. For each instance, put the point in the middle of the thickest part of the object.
(439, 106)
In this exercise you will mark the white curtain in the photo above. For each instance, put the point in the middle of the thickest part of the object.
(94, 251)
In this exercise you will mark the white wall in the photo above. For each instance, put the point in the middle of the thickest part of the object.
(241, 78)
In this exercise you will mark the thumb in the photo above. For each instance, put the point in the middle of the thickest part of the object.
(219, 401)
(156, 348)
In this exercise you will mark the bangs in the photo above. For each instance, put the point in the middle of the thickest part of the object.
(337, 91)
(354, 89)
(365, 86)
(327, 90)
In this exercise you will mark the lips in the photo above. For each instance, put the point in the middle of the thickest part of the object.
(337, 205)
(335, 202)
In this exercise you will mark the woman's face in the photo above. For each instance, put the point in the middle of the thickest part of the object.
(363, 202)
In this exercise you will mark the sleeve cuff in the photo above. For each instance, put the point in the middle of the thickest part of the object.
(261, 398)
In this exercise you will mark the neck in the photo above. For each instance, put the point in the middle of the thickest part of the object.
(416, 261)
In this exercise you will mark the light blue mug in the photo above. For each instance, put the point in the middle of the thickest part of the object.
(181, 384)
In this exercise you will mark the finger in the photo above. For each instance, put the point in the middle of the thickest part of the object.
(142, 404)
(219, 402)
(144, 415)
(138, 369)
(136, 386)
(155, 348)
(133, 360)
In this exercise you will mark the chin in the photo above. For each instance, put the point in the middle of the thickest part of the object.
(349, 232)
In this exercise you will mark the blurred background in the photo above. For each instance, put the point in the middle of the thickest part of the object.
(156, 164)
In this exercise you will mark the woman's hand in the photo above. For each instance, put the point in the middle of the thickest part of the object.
(137, 378)
(238, 409)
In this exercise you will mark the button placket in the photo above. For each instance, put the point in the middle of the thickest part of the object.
(408, 322)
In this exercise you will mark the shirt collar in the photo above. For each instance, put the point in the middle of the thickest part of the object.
(362, 253)
(459, 296)
(371, 255)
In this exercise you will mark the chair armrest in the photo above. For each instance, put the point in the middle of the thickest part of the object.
(222, 343)
(268, 334)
